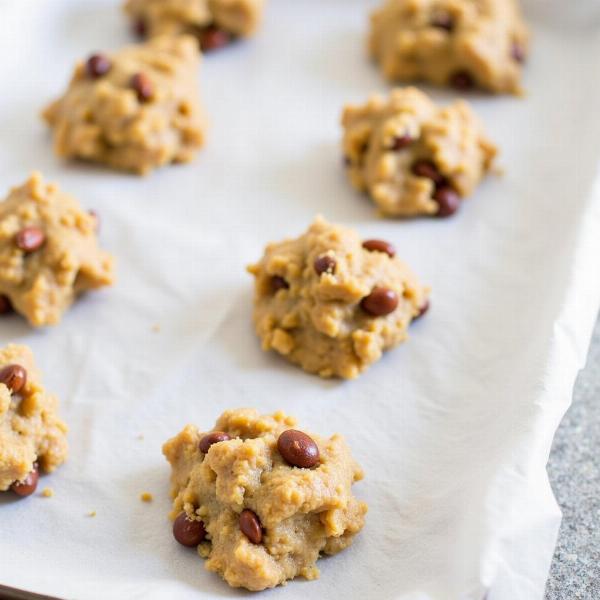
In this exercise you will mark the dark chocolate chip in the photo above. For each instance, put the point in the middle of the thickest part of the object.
(447, 199)
(443, 21)
(401, 141)
(250, 526)
(213, 38)
(140, 28)
(188, 532)
(30, 239)
(5, 305)
(380, 302)
(379, 246)
(462, 81)
(28, 485)
(98, 65)
(325, 264)
(424, 308)
(212, 438)
(298, 449)
(279, 283)
(518, 52)
(14, 377)
(425, 168)
(143, 87)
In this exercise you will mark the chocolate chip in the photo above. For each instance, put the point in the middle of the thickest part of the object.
(279, 283)
(98, 65)
(462, 80)
(5, 305)
(517, 52)
(250, 526)
(28, 485)
(380, 302)
(447, 199)
(213, 38)
(379, 246)
(140, 28)
(212, 438)
(347, 161)
(325, 264)
(188, 532)
(30, 239)
(143, 87)
(425, 168)
(298, 449)
(401, 141)
(14, 377)
(443, 21)
(424, 308)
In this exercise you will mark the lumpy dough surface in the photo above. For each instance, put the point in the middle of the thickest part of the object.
(174, 17)
(30, 430)
(462, 43)
(41, 283)
(304, 512)
(105, 117)
(317, 320)
(386, 137)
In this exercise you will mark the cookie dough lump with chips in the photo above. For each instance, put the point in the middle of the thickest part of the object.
(135, 110)
(461, 43)
(32, 437)
(332, 302)
(413, 157)
(49, 252)
(214, 22)
(262, 500)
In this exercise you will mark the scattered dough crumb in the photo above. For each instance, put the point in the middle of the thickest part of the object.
(140, 436)
(92, 513)
(47, 492)
(146, 497)
(156, 328)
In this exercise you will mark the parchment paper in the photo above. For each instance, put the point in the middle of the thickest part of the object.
(453, 428)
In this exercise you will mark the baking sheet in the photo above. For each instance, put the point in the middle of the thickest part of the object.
(453, 428)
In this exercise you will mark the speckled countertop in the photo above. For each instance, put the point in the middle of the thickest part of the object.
(574, 470)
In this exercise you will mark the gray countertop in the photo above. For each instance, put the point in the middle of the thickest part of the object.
(574, 470)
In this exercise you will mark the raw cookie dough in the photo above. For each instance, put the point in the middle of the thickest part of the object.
(31, 434)
(135, 110)
(213, 22)
(257, 519)
(412, 157)
(461, 43)
(49, 252)
(331, 302)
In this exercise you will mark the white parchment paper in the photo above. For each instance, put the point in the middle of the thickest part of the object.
(453, 428)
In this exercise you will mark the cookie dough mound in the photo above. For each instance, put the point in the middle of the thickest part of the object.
(461, 43)
(135, 110)
(213, 22)
(49, 252)
(413, 157)
(31, 434)
(258, 519)
(331, 302)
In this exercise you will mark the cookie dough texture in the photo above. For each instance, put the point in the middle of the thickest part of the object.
(175, 17)
(102, 119)
(41, 284)
(385, 137)
(303, 512)
(317, 321)
(30, 430)
(434, 40)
